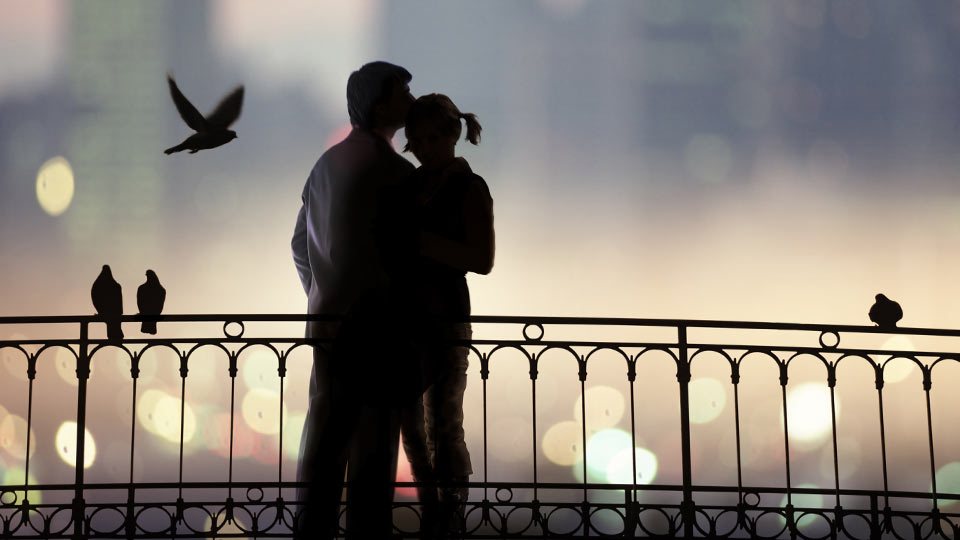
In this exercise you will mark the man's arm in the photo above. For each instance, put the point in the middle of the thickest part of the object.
(299, 245)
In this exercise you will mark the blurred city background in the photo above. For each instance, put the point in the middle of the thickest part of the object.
(742, 160)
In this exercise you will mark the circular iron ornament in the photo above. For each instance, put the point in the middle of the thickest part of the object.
(829, 339)
(660, 518)
(536, 337)
(504, 499)
(103, 514)
(255, 494)
(754, 502)
(226, 329)
(8, 497)
(813, 516)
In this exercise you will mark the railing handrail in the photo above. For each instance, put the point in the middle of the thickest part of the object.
(517, 319)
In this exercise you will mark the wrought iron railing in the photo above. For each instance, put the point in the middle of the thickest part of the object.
(539, 501)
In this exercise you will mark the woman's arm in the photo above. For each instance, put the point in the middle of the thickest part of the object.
(477, 252)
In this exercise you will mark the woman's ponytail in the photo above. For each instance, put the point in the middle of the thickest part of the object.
(473, 127)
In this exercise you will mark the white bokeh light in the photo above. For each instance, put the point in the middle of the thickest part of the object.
(620, 468)
(66, 441)
(708, 397)
(605, 407)
(55, 186)
(808, 412)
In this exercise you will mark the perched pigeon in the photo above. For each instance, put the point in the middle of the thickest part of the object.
(211, 131)
(885, 312)
(150, 297)
(107, 297)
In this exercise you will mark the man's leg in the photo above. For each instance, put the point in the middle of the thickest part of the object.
(414, 436)
(330, 421)
(372, 473)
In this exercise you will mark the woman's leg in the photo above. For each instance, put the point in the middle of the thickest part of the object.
(444, 422)
(414, 437)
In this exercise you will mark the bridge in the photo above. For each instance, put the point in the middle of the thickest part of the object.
(628, 428)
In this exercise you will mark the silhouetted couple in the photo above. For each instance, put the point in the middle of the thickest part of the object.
(387, 246)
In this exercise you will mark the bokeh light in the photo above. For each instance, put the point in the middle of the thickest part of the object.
(146, 405)
(259, 410)
(808, 412)
(229, 529)
(708, 397)
(337, 135)
(562, 443)
(13, 437)
(148, 368)
(159, 413)
(55, 186)
(66, 365)
(603, 446)
(948, 481)
(620, 468)
(803, 500)
(14, 476)
(605, 407)
(14, 360)
(404, 474)
(259, 370)
(898, 369)
(66, 441)
(292, 431)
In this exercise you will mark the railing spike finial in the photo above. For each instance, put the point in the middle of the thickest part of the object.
(135, 364)
(183, 365)
(32, 366)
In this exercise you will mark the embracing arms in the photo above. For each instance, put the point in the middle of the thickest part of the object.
(477, 252)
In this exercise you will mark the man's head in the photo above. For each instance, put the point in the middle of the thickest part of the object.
(378, 96)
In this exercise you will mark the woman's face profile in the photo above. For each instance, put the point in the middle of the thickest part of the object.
(432, 147)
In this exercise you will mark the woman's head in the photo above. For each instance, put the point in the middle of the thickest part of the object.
(433, 129)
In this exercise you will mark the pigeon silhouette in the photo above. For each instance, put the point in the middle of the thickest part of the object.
(885, 312)
(150, 297)
(107, 297)
(211, 131)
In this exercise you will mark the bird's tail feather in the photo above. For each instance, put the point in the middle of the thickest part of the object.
(177, 148)
(114, 331)
(148, 327)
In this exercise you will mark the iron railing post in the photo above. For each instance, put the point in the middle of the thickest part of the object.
(687, 508)
(83, 372)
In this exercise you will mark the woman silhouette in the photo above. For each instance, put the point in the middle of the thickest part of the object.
(453, 217)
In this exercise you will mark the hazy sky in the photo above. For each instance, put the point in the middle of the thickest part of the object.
(743, 161)
(747, 160)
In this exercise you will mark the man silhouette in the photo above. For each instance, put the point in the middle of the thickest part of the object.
(336, 256)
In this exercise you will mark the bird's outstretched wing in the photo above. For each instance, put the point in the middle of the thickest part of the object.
(187, 111)
(228, 110)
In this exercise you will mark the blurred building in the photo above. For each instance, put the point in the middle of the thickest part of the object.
(117, 55)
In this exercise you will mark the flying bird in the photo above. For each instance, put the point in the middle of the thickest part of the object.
(885, 312)
(211, 131)
(107, 297)
(150, 297)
